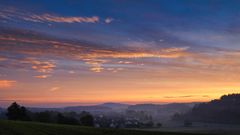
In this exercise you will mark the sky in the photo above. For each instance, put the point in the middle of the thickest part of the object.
(81, 52)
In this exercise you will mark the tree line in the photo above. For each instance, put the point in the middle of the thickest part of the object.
(21, 113)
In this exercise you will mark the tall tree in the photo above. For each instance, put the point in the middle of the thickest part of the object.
(17, 112)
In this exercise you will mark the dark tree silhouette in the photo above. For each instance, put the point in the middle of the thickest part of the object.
(17, 112)
(87, 120)
(43, 116)
(61, 119)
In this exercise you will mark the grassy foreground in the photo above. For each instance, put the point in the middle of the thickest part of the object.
(33, 128)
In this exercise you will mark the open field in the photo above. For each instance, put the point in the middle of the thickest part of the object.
(32, 128)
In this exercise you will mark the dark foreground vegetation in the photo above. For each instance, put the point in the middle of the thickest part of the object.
(32, 128)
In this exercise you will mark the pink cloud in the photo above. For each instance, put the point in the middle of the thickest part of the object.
(12, 14)
(61, 19)
(6, 83)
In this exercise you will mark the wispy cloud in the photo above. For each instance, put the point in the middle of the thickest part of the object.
(114, 70)
(37, 51)
(92, 55)
(187, 96)
(54, 89)
(124, 62)
(6, 83)
(2, 58)
(13, 14)
(61, 19)
(42, 76)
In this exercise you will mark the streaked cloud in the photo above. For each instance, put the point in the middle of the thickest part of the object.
(35, 47)
(41, 76)
(61, 19)
(100, 58)
(2, 58)
(114, 70)
(187, 96)
(6, 83)
(13, 14)
(71, 72)
(54, 89)
(124, 62)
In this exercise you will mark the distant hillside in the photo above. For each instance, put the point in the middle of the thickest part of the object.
(96, 108)
(108, 107)
(158, 112)
(93, 108)
(105, 107)
(39, 109)
(172, 108)
(162, 113)
(223, 110)
(115, 105)
(145, 107)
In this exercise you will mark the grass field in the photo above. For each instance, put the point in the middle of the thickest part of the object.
(33, 128)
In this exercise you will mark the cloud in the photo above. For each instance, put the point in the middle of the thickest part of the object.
(40, 66)
(54, 89)
(96, 64)
(187, 96)
(43, 54)
(124, 62)
(2, 58)
(96, 57)
(37, 51)
(44, 67)
(13, 14)
(96, 69)
(114, 70)
(61, 19)
(6, 83)
(41, 76)
(108, 20)
(71, 72)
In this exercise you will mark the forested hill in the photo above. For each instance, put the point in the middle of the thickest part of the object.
(223, 110)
